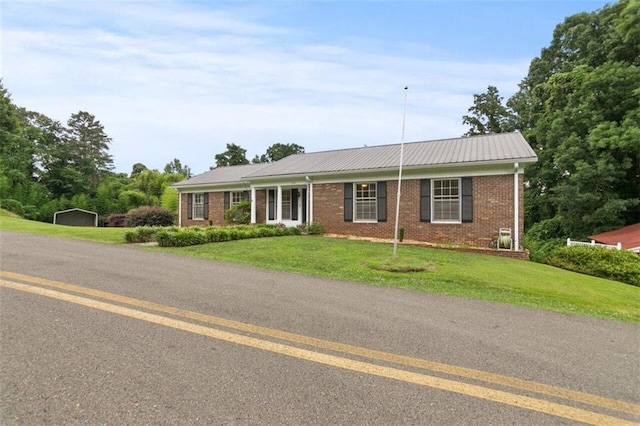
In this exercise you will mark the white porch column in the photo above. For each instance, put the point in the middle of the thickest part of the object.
(279, 205)
(253, 204)
(310, 197)
(516, 208)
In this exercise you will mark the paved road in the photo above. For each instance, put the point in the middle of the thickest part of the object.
(101, 334)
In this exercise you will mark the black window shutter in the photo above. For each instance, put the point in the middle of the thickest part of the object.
(382, 201)
(271, 194)
(189, 206)
(467, 199)
(304, 205)
(245, 196)
(294, 204)
(205, 200)
(425, 200)
(348, 202)
(227, 200)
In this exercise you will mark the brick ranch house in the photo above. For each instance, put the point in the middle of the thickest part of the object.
(459, 191)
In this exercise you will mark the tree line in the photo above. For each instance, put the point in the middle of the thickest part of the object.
(47, 166)
(579, 108)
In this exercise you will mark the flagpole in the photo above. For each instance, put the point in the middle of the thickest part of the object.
(404, 118)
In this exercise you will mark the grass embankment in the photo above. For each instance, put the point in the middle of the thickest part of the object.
(446, 272)
(9, 222)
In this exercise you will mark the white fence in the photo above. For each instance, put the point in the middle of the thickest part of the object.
(593, 244)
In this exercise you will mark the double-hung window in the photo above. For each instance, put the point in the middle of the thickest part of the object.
(366, 203)
(198, 206)
(446, 201)
(236, 198)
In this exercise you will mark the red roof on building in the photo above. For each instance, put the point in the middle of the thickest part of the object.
(629, 236)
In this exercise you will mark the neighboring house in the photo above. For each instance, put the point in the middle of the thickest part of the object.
(628, 237)
(459, 191)
(75, 217)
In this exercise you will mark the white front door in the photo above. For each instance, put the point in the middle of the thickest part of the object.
(291, 204)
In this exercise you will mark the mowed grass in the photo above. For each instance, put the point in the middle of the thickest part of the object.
(445, 272)
(9, 222)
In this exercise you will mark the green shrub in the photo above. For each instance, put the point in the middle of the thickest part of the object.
(14, 206)
(223, 235)
(142, 234)
(291, 231)
(240, 213)
(316, 228)
(149, 216)
(539, 251)
(618, 265)
(543, 238)
(188, 237)
(233, 233)
(546, 230)
(30, 212)
(163, 237)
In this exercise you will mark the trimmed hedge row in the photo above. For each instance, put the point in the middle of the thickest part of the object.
(182, 237)
(617, 265)
(143, 234)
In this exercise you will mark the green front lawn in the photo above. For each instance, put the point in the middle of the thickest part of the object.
(8, 222)
(446, 272)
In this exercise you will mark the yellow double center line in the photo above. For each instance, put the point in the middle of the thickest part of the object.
(513, 399)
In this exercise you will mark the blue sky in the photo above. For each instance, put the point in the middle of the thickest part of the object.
(181, 79)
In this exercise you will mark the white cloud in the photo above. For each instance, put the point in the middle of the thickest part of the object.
(169, 82)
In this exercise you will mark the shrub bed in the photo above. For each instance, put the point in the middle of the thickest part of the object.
(617, 265)
(182, 237)
(142, 234)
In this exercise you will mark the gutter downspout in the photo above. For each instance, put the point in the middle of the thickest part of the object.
(516, 208)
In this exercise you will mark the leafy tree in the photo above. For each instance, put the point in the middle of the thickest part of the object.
(137, 169)
(88, 137)
(579, 107)
(233, 156)
(488, 114)
(169, 199)
(175, 167)
(152, 185)
(260, 159)
(278, 151)
(73, 159)
(131, 199)
(18, 148)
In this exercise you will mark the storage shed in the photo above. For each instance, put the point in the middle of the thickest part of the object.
(75, 217)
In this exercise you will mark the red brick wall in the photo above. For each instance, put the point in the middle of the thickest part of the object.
(492, 209)
(216, 211)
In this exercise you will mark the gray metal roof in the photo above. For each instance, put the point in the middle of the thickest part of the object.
(220, 175)
(457, 151)
(494, 148)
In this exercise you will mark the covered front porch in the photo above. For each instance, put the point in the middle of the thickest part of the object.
(290, 205)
